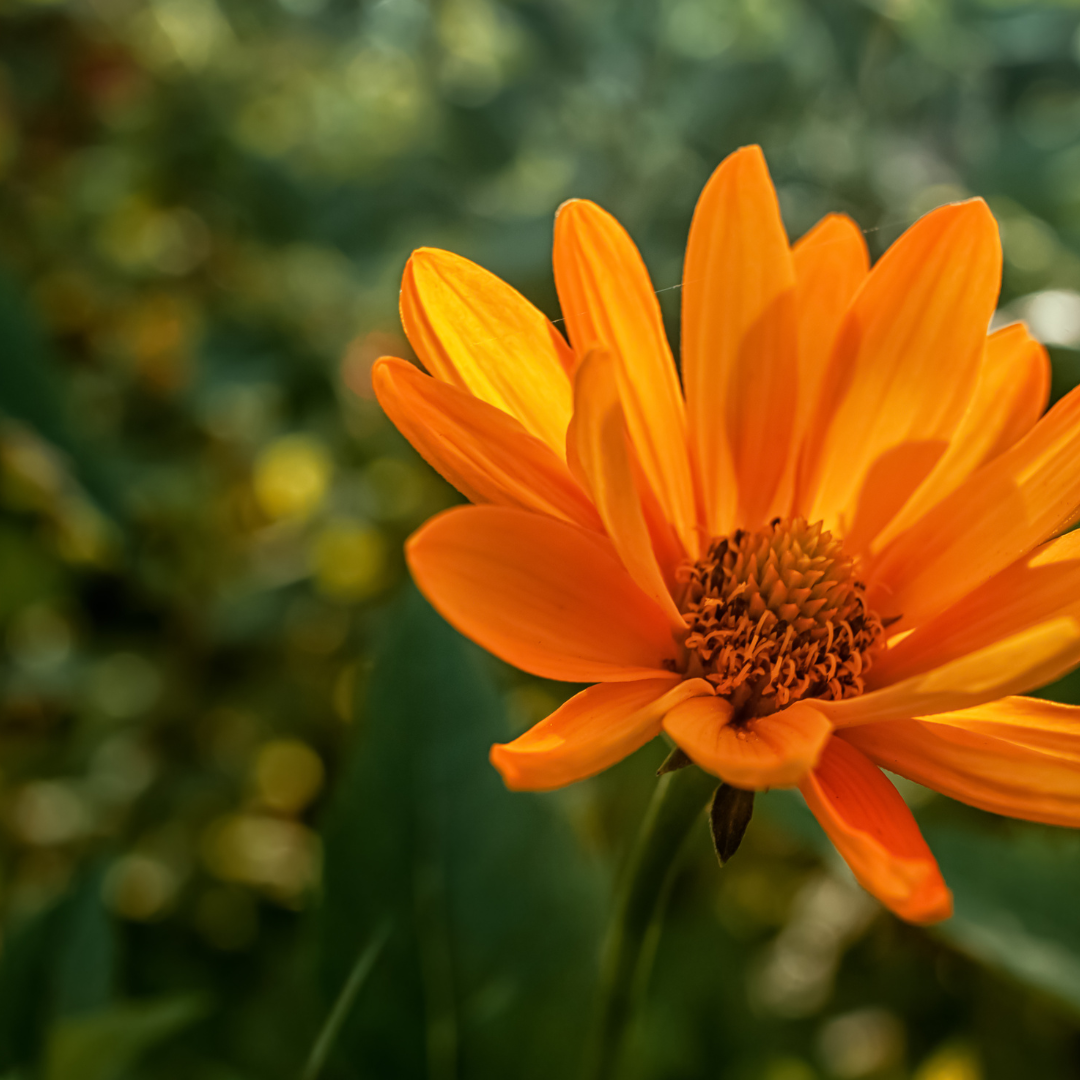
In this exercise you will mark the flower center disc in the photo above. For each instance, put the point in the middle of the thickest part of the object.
(777, 615)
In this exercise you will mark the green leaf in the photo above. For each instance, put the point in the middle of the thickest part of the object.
(101, 1045)
(59, 962)
(343, 1007)
(30, 390)
(1015, 899)
(84, 967)
(24, 990)
(497, 913)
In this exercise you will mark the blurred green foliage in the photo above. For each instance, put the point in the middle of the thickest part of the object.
(229, 751)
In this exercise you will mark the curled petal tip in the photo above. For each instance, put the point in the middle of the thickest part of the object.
(504, 764)
(936, 908)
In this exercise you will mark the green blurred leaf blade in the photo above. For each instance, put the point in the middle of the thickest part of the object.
(505, 908)
(101, 1045)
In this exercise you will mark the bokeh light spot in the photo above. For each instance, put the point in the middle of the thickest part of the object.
(47, 812)
(349, 559)
(283, 857)
(292, 476)
(124, 685)
(288, 775)
(956, 1061)
(861, 1043)
(139, 887)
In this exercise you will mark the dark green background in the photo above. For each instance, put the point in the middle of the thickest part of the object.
(205, 207)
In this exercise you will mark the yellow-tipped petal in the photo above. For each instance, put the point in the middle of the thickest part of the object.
(474, 331)
(485, 453)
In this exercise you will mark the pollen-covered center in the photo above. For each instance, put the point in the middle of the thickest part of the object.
(777, 615)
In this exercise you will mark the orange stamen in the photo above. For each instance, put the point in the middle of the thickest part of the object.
(777, 615)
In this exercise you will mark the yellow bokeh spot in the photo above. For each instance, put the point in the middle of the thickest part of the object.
(140, 887)
(349, 560)
(288, 775)
(292, 476)
(278, 855)
(953, 1062)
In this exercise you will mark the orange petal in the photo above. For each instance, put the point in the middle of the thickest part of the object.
(831, 262)
(591, 732)
(474, 331)
(486, 454)
(1010, 396)
(739, 342)
(1024, 661)
(771, 751)
(1004, 776)
(1047, 726)
(1042, 587)
(1012, 503)
(598, 442)
(545, 596)
(608, 300)
(871, 826)
(903, 370)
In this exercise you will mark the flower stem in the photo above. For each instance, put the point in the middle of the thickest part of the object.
(678, 802)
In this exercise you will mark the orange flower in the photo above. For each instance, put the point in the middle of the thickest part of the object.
(834, 546)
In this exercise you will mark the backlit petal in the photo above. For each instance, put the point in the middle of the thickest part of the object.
(485, 453)
(474, 331)
(1044, 586)
(1010, 396)
(1024, 661)
(591, 732)
(608, 300)
(831, 262)
(739, 342)
(903, 370)
(1012, 503)
(546, 596)
(1004, 776)
(598, 441)
(772, 751)
(1047, 726)
(871, 826)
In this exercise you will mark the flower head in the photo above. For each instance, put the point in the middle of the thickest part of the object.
(838, 542)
